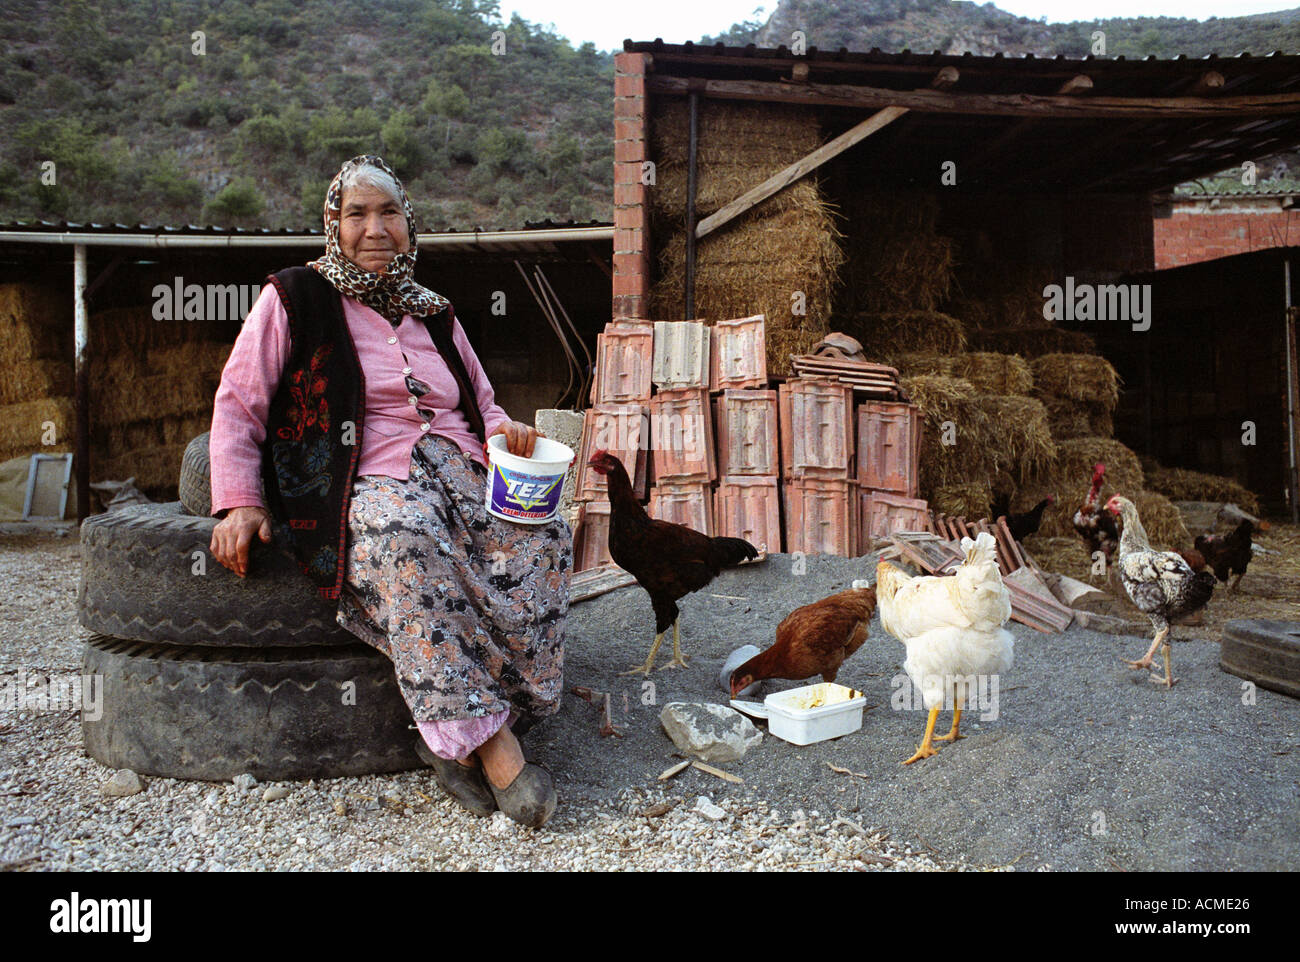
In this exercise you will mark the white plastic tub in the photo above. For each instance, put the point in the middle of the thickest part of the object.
(839, 714)
(526, 490)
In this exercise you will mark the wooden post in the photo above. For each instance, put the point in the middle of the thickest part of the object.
(81, 339)
(1292, 393)
(691, 174)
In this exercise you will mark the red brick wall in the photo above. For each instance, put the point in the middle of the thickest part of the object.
(631, 228)
(1186, 238)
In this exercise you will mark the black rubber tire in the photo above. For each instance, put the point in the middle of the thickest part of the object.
(137, 582)
(277, 713)
(195, 482)
(196, 477)
(1265, 652)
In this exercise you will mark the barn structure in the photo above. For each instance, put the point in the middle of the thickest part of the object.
(926, 204)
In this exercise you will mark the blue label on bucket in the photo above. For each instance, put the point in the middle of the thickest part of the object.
(529, 497)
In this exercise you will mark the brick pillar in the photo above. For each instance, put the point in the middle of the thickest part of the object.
(631, 218)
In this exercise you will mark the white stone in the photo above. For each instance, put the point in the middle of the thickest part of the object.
(124, 782)
(712, 733)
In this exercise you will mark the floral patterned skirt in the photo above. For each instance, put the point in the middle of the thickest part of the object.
(470, 608)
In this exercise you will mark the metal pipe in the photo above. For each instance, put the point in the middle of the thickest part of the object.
(1288, 333)
(482, 239)
(691, 156)
(81, 340)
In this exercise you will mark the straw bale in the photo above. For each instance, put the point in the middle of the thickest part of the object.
(995, 373)
(1179, 484)
(22, 426)
(1032, 342)
(35, 324)
(895, 258)
(1078, 377)
(970, 500)
(972, 455)
(756, 266)
(740, 145)
(913, 363)
(885, 337)
(155, 469)
(135, 330)
(1024, 448)
(1076, 419)
(32, 380)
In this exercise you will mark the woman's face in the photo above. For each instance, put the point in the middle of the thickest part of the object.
(372, 228)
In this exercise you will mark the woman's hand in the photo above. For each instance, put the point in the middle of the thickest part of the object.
(520, 438)
(235, 532)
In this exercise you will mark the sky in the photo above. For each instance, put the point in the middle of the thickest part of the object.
(676, 21)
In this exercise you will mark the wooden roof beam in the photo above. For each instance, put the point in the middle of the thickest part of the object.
(1078, 84)
(946, 77)
(1007, 105)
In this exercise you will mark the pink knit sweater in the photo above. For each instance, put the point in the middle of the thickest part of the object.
(392, 424)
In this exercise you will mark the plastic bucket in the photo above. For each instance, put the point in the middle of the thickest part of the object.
(526, 490)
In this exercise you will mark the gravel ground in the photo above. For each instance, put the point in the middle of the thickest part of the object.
(1087, 765)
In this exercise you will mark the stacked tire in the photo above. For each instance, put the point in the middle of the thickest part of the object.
(206, 675)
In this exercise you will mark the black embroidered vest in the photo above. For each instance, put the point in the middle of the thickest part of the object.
(316, 421)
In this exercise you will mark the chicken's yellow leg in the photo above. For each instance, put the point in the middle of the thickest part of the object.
(1145, 660)
(926, 749)
(1169, 679)
(649, 662)
(952, 736)
(679, 660)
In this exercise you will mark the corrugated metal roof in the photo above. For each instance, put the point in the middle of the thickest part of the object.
(906, 57)
(533, 236)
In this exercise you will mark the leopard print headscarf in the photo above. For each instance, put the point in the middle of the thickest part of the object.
(391, 292)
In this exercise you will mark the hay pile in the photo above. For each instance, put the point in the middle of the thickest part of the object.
(780, 259)
(35, 370)
(1178, 484)
(1162, 520)
(890, 336)
(1069, 480)
(1080, 391)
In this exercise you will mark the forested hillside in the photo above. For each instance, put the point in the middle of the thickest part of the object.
(485, 130)
(237, 112)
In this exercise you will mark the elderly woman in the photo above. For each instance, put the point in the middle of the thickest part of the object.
(354, 398)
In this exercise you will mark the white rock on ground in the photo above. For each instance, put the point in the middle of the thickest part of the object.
(707, 809)
(123, 783)
(712, 733)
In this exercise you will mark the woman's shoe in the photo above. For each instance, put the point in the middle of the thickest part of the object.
(529, 799)
(466, 785)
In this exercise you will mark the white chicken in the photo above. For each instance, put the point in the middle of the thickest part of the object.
(952, 627)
